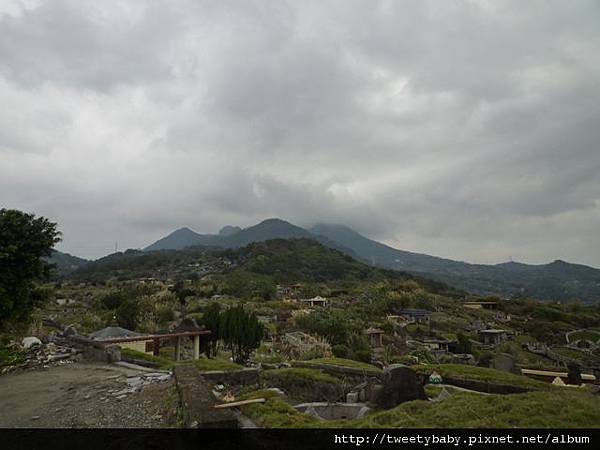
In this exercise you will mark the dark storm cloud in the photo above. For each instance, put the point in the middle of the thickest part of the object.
(463, 129)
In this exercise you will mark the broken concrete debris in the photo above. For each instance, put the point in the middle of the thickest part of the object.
(36, 354)
(30, 341)
(136, 383)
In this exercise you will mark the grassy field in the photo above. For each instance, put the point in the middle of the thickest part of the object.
(343, 362)
(301, 373)
(550, 409)
(481, 373)
(163, 363)
(276, 413)
(568, 352)
(585, 334)
(168, 363)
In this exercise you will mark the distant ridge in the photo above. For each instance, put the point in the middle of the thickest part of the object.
(265, 230)
(558, 280)
(64, 263)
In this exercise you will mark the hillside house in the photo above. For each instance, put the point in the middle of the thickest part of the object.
(288, 291)
(436, 345)
(481, 305)
(476, 325)
(65, 301)
(315, 301)
(114, 334)
(493, 336)
(150, 343)
(375, 336)
(415, 315)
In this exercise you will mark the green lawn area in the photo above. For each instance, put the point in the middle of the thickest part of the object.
(548, 409)
(584, 334)
(481, 373)
(299, 373)
(343, 362)
(559, 408)
(568, 352)
(276, 413)
(163, 363)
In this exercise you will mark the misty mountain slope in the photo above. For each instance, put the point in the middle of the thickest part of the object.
(64, 263)
(230, 237)
(180, 239)
(558, 280)
(306, 260)
(380, 254)
(266, 230)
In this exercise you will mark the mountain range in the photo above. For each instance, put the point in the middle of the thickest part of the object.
(558, 280)
(65, 263)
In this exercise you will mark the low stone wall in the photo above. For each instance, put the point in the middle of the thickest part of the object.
(486, 386)
(95, 351)
(343, 371)
(198, 401)
(247, 376)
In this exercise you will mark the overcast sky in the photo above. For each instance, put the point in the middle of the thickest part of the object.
(464, 129)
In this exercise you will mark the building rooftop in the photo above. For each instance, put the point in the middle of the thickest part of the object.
(372, 330)
(318, 298)
(113, 332)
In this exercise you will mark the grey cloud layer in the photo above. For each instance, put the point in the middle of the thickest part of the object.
(462, 129)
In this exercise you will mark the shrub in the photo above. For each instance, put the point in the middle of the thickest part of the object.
(164, 314)
(362, 355)
(340, 351)
(112, 300)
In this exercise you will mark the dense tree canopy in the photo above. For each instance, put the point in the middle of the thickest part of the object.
(24, 243)
(240, 331)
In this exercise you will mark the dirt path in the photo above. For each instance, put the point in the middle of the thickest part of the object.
(83, 395)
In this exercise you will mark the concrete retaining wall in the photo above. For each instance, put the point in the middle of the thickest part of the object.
(247, 376)
(197, 401)
(343, 371)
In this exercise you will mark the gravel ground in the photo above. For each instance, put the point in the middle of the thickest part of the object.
(84, 395)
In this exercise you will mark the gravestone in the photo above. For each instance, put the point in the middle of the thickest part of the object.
(400, 384)
(574, 376)
(504, 362)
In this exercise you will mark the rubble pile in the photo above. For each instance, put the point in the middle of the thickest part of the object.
(136, 383)
(35, 354)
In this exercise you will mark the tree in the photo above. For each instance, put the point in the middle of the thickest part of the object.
(182, 292)
(24, 243)
(127, 314)
(241, 332)
(112, 300)
(212, 321)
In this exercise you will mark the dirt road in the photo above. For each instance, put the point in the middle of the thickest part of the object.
(83, 395)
